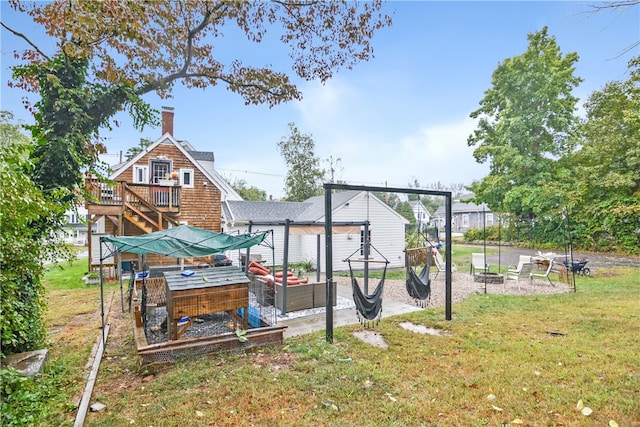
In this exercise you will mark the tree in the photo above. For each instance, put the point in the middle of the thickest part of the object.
(605, 197)
(525, 122)
(304, 175)
(134, 151)
(111, 53)
(404, 209)
(24, 250)
(248, 193)
(107, 54)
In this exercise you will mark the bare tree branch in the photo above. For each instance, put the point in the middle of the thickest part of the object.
(25, 38)
(614, 4)
(165, 81)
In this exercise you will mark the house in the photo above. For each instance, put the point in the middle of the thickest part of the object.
(465, 215)
(421, 214)
(350, 209)
(76, 231)
(167, 184)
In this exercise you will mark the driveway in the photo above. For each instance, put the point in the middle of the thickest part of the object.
(508, 255)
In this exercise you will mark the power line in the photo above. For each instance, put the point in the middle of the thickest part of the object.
(253, 172)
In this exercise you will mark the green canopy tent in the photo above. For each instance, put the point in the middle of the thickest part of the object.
(179, 242)
(183, 242)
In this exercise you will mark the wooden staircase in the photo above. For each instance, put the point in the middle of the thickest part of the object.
(141, 224)
(149, 220)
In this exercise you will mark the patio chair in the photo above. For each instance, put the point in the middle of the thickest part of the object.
(524, 259)
(478, 263)
(545, 275)
(524, 271)
(440, 264)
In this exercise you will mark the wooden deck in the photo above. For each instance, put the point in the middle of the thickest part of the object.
(111, 199)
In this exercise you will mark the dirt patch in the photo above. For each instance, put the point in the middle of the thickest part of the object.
(371, 337)
(276, 361)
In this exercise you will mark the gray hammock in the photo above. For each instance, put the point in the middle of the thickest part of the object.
(419, 285)
(368, 307)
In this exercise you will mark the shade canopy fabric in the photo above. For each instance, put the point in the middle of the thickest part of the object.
(184, 242)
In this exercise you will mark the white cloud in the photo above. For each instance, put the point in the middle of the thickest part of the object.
(431, 154)
(323, 103)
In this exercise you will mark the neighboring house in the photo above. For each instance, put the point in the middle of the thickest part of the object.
(421, 214)
(465, 215)
(165, 185)
(76, 229)
(306, 231)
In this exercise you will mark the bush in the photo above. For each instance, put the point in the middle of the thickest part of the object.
(32, 400)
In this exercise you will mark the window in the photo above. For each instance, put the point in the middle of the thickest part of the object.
(160, 169)
(140, 174)
(465, 220)
(489, 219)
(362, 241)
(186, 178)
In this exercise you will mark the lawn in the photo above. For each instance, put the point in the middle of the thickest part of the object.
(537, 360)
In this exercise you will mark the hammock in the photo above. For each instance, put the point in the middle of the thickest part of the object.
(368, 307)
(418, 285)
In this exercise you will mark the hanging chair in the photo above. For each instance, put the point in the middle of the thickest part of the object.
(368, 306)
(418, 285)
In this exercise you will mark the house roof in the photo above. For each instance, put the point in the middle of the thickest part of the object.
(311, 210)
(202, 156)
(315, 212)
(269, 211)
(194, 156)
(463, 207)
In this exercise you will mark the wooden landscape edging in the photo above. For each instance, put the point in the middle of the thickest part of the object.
(170, 352)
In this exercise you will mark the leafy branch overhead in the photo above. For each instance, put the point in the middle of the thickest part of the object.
(149, 46)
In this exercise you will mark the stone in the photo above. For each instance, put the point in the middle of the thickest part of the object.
(97, 407)
(493, 278)
(28, 363)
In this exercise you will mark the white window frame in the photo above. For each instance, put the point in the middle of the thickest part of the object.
(140, 169)
(465, 220)
(489, 219)
(160, 163)
(184, 172)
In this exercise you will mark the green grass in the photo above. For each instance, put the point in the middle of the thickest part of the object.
(537, 355)
(501, 359)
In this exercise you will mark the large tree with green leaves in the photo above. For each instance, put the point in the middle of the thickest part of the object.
(103, 56)
(605, 195)
(108, 54)
(526, 120)
(304, 175)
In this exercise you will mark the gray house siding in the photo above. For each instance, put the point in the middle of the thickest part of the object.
(465, 216)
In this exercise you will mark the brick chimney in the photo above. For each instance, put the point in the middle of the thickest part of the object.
(167, 120)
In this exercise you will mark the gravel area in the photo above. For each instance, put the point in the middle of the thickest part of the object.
(462, 286)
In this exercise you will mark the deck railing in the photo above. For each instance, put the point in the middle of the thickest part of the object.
(160, 196)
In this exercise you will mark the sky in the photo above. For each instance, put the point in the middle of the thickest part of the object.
(400, 117)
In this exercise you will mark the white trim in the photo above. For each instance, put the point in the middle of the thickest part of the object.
(183, 172)
(145, 174)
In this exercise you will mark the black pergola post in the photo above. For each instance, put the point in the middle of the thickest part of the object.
(328, 222)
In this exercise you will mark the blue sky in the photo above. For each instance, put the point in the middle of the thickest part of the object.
(404, 115)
